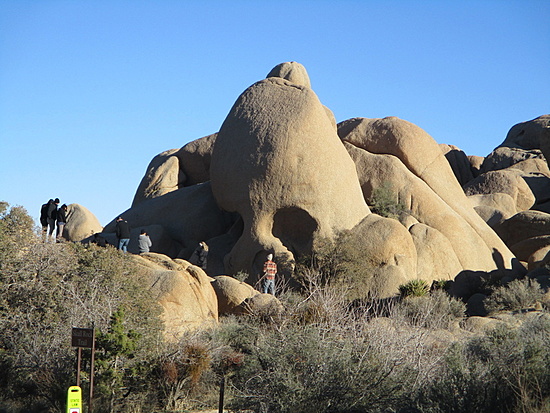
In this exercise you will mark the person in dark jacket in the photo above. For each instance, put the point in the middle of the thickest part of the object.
(44, 216)
(52, 216)
(123, 234)
(61, 220)
(200, 256)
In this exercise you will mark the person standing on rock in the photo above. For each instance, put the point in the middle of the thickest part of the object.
(144, 242)
(269, 273)
(44, 216)
(52, 216)
(123, 234)
(200, 256)
(61, 220)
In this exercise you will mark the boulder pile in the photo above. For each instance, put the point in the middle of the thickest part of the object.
(281, 175)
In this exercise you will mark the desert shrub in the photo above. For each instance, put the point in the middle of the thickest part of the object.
(506, 370)
(384, 201)
(308, 369)
(338, 264)
(414, 288)
(516, 295)
(45, 290)
(242, 276)
(434, 310)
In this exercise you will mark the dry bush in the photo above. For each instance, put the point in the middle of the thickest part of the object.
(516, 295)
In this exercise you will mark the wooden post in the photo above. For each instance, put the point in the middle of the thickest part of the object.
(222, 391)
(90, 410)
(79, 357)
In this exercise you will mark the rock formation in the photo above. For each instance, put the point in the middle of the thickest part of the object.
(277, 162)
(281, 175)
(184, 291)
(81, 223)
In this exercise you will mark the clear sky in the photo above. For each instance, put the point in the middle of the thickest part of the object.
(91, 91)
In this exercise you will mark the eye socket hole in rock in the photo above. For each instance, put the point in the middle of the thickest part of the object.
(295, 228)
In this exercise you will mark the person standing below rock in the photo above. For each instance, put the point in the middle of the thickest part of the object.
(61, 220)
(144, 242)
(270, 271)
(52, 216)
(200, 255)
(123, 234)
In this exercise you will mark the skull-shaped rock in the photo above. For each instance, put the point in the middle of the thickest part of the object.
(279, 163)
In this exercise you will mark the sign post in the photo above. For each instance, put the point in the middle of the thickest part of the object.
(84, 338)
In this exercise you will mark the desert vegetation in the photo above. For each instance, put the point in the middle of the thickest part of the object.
(329, 351)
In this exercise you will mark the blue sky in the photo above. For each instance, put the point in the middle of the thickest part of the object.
(91, 91)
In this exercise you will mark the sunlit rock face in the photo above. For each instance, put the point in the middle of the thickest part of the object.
(279, 163)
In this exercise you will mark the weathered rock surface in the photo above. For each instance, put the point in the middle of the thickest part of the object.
(504, 157)
(506, 181)
(266, 165)
(527, 135)
(81, 223)
(183, 290)
(291, 71)
(195, 160)
(431, 245)
(524, 225)
(498, 200)
(176, 168)
(236, 297)
(163, 175)
(396, 151)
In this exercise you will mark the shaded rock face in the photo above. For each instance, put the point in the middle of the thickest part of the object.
(278, 162)
(459, 162)
(81, 223)
(186, 216)
(183, 290)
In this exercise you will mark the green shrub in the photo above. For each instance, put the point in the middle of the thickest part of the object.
(384, 201)
(414, 288)
(516, 295)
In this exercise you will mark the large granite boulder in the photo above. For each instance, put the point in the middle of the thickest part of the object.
(81, 223)
(183, 290)
(237, 297)
(389, 256)
(527, 135)
(524, 225)
(505, 181)
(163, 176)
(504, 157)
(279, 164)
(176, 168)
(195, 160)
(291, 71)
